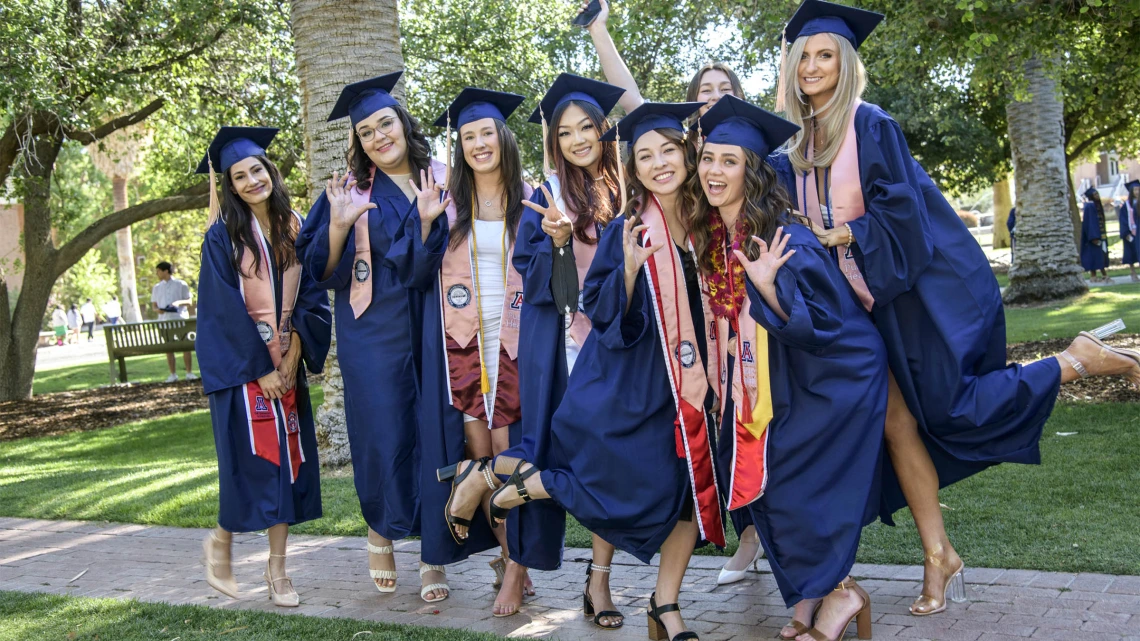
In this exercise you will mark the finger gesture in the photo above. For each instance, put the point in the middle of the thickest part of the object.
(429, 200)
(342, 211)
(635, 254)
(762, 271)
(555, 223)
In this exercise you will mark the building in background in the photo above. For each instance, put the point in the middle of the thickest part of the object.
(1108, 174)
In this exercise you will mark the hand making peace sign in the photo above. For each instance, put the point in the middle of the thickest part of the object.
(555, 223)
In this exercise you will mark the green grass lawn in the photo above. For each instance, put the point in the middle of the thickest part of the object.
(28, 616)
(1099, 306)
(1003, 279)
(140, 369)
(1074, 513)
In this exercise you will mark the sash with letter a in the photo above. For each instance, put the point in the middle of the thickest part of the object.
(267, 419)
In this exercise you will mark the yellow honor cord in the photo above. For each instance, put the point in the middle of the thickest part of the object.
(484, 379)
(762, 411)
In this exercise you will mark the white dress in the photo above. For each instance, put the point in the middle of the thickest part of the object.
(491, 287)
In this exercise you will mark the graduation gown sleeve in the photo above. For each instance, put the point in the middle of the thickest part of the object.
(893, 240)
(604, 294)
(808, 294)
(416, 261)
(312, 320)
(225, 330)
(313, 248)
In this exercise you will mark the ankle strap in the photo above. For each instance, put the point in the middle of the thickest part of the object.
(846, 585)
(276, 556)
(1078, 367)
(668, 607)
(600, 568)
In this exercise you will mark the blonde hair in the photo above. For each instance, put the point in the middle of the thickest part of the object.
(833, 118)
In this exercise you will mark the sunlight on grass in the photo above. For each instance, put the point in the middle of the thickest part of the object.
(140, 369)
(1099, 306)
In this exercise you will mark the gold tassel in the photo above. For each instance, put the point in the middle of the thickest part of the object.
(215, 207)
(545, 153)
(621, 168)
(447, 174)
(484, 382)
(781, 83)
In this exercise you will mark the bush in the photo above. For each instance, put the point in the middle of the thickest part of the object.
(969, 218)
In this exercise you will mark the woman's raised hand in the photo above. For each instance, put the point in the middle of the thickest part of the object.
(762, 271)
(555, 223)
(428, 200)
(635, 254)
(342, 211)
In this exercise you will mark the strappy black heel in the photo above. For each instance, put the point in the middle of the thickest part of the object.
(588, 603)
(518, 480)
(657, 631)
(451, 473)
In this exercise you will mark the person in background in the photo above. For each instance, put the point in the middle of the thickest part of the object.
(87, 314)
(1094, 238)
(59, 324)
(113, 311)
(1129, 220)
(1011, 225)
(171, 298)
(73, 324)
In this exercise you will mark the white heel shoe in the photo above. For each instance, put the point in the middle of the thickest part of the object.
(383, 575)
(727, 576)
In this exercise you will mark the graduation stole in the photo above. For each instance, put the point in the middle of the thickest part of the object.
(750, 381)
(846, 196)
(578, 324)
(1131, 217)
(687, 374)
(262, 416)
(470, 391)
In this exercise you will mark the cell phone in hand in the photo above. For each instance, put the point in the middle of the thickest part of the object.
(586, 17)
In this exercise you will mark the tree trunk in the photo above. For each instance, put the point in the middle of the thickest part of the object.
(128, 287)
(1074, 208)
(329, 56)
(1047, 266)
(1002, 205)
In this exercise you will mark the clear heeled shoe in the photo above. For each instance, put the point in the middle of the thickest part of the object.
(955, 590)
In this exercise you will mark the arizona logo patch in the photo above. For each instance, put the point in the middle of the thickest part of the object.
(259, 404)
(292, 425)
(746, 352)
(516, 301)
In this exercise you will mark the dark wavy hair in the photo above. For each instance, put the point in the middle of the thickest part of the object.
(638, 195)
(283, 225)
(592, 200)
(766, 206)
(462, 185)
(419, 151)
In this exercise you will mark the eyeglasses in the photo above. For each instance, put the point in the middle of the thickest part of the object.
(367, 134)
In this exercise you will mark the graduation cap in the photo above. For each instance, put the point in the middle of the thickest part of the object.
(1091, 193)
(1132, 185)
(650, 116)
(731, 121)
(231, 145)
(569, 87)
(476, 104)
(816, 16)
(362, 99)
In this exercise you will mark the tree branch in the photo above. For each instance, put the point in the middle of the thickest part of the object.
(182, 57)
(195, 197)
(111, 126)
(1118, 126)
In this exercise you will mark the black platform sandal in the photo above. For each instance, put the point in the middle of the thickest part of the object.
(518, 480)
(451, 473)
(588, 603)
(657, 630)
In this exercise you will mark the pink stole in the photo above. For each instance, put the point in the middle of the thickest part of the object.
(1131, 217)
(846, 191)
(459, 306)
(257, 290)
(687, 374)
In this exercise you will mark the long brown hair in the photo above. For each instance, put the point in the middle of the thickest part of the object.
(419, 151)
(638, 195)
(283, 225)
(695, 83)
(765, 202)
(592, 200)
(462, 186)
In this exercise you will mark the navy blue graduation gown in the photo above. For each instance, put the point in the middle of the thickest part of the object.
(1131, 247)
(828, 372)
(613, 454)
(536, 531)
(255, 494)
(441, 436)
(939, 311)
(377, 355)
(1093, 240)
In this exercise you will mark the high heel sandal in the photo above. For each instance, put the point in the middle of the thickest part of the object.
(518, 480)
(800, 628)
(288, 599)
(588, 603)
(1096, 336)
(451, 473)
(383, 575)
(955, 591)
(499, 565)
(862, 618)
(657, 630)
(228, 586)
(433, 587)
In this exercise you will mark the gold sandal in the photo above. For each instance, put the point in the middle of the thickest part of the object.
(862, 618)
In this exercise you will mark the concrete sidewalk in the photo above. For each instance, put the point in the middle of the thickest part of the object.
(330, 573)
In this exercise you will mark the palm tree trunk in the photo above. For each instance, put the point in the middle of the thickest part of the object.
(128, 286)
(337, 43)
(1046, 266)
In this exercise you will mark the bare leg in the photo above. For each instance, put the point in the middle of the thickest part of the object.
(746, 551)
(278, 539)
(1096, 361)
(675, 554)
(170, 364)
(599, 587)
(381, 561)
(222, 544)
(188, 361)
(919, 482)
(838, 608)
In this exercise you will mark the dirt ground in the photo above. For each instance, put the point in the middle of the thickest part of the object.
(101, 407)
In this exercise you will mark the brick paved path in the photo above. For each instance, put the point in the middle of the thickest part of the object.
(162, 564)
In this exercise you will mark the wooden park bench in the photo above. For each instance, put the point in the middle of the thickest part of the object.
(145, 338)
